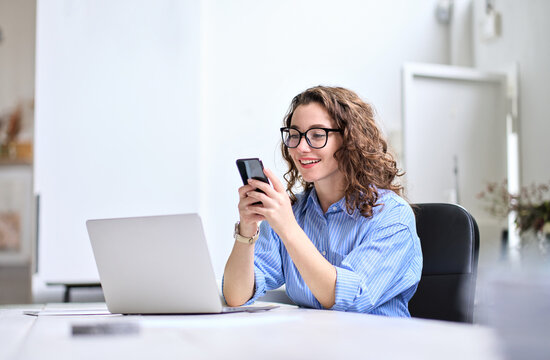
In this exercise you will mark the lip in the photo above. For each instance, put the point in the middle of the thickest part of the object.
(308, 166)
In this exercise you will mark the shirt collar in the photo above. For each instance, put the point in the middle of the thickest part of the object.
(340, 205)
(313, 201)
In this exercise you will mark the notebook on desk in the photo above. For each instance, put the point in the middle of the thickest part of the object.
(156, 265)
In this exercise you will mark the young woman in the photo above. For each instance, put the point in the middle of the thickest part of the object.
(348, 241)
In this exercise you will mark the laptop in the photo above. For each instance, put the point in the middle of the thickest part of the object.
(157, 265)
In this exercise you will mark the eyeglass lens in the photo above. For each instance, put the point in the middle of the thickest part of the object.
(316, 138)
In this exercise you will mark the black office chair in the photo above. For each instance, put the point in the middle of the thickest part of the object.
(450, 247)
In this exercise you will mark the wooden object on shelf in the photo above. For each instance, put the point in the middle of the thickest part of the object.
(16, 153)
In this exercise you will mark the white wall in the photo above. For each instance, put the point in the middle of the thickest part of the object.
(117, 119)
(257, 55)
(525, 40)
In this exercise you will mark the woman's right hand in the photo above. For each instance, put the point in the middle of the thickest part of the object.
(248, 219)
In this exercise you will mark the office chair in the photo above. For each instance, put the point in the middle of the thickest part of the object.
(449, 237)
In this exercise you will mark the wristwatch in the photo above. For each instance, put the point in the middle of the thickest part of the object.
(247, 240)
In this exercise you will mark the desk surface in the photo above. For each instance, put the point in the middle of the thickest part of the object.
(287, 332)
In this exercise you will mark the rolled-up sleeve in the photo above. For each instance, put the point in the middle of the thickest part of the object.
(386, 265)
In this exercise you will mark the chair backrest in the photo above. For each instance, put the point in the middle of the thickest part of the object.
(450, 247)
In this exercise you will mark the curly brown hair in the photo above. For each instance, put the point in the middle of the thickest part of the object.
(363, 158)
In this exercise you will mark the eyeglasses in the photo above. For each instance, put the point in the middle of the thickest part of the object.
(316, 137)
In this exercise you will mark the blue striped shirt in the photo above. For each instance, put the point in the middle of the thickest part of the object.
(378, 260)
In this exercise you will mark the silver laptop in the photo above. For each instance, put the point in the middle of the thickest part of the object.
(156, 265)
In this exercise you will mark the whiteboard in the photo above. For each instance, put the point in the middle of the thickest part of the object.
(454, 137)
(116, 121)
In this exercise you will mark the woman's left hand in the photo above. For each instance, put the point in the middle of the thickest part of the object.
(276, 207)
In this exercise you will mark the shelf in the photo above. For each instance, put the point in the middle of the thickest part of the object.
(16, 154)
(4, 161)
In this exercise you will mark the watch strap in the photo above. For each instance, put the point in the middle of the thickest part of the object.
(243, 239)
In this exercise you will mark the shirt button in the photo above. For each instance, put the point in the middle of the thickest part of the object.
(334, 208)
(324, 253)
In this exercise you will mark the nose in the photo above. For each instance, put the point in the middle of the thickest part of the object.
(303, 146)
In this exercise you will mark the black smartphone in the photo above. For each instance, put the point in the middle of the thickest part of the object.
(251, 169)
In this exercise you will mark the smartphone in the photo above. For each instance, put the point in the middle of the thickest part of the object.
(251, 169)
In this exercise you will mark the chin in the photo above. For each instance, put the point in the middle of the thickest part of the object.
(308, 179)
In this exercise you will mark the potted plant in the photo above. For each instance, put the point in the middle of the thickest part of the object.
(530, 207)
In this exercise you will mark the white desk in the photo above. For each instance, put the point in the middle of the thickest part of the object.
(283, 333)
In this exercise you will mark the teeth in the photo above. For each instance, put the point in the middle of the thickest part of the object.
(306, 162)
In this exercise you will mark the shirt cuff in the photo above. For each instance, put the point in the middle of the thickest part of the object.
(259, 285)
(347, 289)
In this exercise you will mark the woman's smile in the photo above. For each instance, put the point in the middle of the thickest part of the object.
(308, 163)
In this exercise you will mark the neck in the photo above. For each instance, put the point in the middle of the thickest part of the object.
(328, 194)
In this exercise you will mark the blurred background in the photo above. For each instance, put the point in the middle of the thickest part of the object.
(129, 108)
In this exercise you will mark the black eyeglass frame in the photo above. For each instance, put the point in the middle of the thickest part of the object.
(304, 134)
